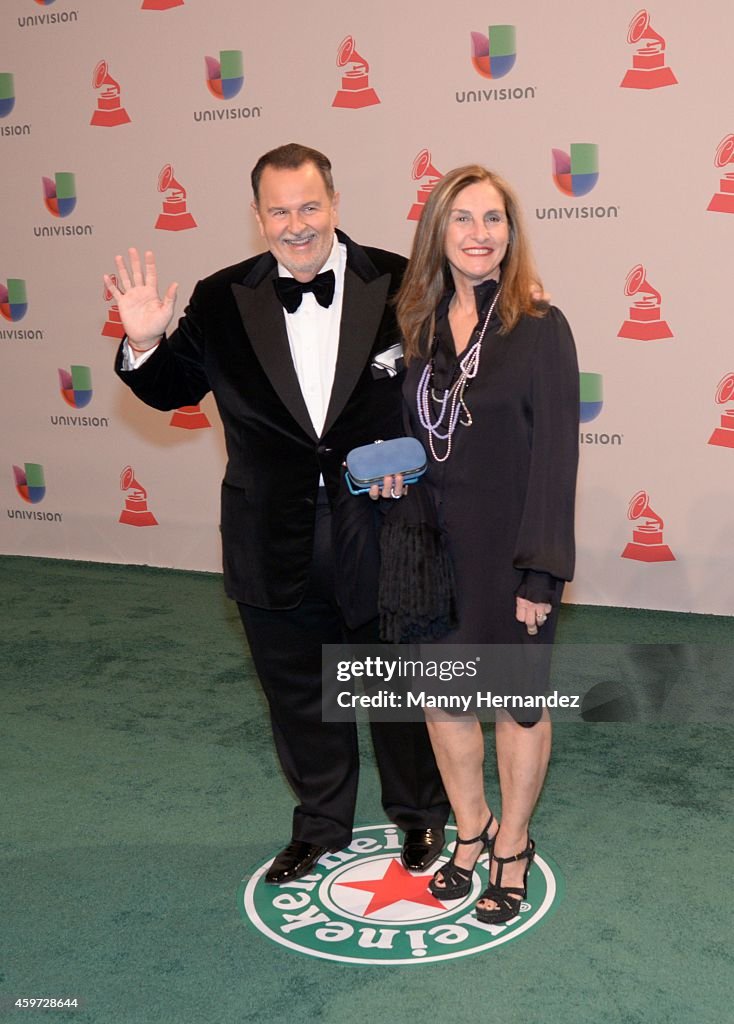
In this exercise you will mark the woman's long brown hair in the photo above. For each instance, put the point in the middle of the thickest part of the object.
(428, 274)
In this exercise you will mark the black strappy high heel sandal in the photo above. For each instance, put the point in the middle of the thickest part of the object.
(507, 897)
(456, 880)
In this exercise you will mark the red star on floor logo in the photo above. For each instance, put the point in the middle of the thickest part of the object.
(395, 885)
(360, 906)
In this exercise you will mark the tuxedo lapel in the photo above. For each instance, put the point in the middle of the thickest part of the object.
(264, 322)
(362, 310)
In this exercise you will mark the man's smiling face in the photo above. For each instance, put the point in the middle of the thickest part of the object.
(297, 216)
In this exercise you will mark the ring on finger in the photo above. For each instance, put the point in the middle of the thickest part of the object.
(542, 618)
(393, 494)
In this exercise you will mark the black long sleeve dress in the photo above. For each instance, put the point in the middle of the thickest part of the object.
(505, 495)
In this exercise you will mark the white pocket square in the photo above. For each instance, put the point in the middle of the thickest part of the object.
(389, 362)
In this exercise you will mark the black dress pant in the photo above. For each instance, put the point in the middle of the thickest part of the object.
(320, 759)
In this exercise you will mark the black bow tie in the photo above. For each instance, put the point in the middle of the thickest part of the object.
(290, 292)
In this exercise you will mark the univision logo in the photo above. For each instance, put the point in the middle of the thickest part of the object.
(59, 194)
(56, 18)
(13, 307)
(575, 174)
(7, 104)
(13, 299)
(76, 386)
(30, 482)
(224, 77)
(592, 396)
(591, 393)
(493, 56)
(59, 197)
(224, 80)
(31, 487)
(7, 93)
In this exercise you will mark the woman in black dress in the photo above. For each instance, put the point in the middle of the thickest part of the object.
(492, 392)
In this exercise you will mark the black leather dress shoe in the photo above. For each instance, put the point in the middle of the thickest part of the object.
(294, 861)
(421, 848)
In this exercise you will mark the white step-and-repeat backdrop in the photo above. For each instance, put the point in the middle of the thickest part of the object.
(136, 122)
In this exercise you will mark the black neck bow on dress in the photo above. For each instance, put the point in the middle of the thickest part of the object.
(290, 292)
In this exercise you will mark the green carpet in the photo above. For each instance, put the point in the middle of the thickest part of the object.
(139, 786)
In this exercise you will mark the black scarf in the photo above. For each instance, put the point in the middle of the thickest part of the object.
(417, 597)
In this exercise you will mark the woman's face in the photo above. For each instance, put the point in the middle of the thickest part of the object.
(477, 234)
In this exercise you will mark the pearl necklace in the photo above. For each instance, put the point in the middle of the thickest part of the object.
(453, 397)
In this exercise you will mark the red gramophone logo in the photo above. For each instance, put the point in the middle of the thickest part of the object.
(135, 512)
(174, 215)
(643, 322)
(424, 172)
(723, 435)
(113, 324)
(648, 70)
(647, 540)
(723, 200)
(355, 91)
(190, 417)
(109, 112)
(160, 5)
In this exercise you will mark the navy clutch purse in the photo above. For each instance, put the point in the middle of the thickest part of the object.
(368, 464)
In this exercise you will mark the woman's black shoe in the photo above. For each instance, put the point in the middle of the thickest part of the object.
(457, 881)
(507, 897)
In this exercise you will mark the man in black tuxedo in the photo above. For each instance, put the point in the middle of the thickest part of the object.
(298, 346)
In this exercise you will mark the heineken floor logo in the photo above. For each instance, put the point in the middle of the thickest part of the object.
(361, 906)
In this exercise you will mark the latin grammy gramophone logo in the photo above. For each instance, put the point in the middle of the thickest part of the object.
(175, 215)
(576, 173)
(75, 385)
(493, 55)
(13, 299)
(160, 5)
(7, 93)
(113, 324)
(135, 512)
(723, 200)
(224, 77)
(644, 322)
(59, 194)
(190, 417)
(30, 482)
(723, 435)
(110, 112)
(428, 177)
(647, 539)
(649, 70)
(355, 89)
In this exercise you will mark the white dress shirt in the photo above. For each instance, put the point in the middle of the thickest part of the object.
(313, 336)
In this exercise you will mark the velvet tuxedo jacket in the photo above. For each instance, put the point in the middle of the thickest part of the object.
(232, 341)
